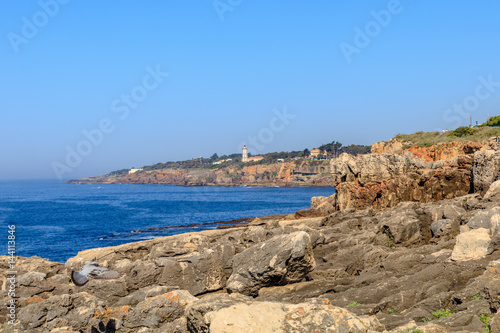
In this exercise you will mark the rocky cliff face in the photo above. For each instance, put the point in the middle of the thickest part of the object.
(371, 270)
(298, 173)
(440, 151)
(382, 181)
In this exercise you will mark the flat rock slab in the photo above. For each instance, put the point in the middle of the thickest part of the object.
(317, 315)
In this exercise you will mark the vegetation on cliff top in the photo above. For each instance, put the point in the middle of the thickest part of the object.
(483, 131)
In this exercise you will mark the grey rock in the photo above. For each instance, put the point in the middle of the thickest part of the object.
(155, 311)
(441, 228)
(75, 310)
(402, 228)
(453, 212)
(485, 169)
(297, 292)
(278, 261)
(177, 326)
(141, 294)
(488, 219)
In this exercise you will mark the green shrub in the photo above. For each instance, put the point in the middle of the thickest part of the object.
(442, 313)
(461, 132)
(353, 304)
(477, 298)
(391, 311)
(485, 319)
(390, 243)
(492, 121)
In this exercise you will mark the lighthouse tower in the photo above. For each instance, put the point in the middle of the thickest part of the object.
(244, 157)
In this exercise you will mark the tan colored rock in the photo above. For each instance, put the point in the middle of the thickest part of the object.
(257, 317)
(317, 315)
(440, 151)
(493, 193)
(472, 245)
(495, 324)
(394, 146)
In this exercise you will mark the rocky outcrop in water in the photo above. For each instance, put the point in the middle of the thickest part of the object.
(430, 266)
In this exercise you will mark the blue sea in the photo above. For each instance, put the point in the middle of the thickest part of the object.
(55, 220)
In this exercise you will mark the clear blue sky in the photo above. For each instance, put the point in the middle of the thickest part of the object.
(227, 76)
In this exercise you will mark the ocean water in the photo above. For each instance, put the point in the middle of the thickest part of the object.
(55, 220)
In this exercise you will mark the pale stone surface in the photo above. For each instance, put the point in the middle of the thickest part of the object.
(472, 245)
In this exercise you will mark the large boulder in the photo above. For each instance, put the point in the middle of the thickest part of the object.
(441, 228)
(493, 193)
(280, 260)
(402, 228)
(485, 169)
(472, 245)
(488, 219)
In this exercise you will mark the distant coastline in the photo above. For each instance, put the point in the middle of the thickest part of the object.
(295, 173)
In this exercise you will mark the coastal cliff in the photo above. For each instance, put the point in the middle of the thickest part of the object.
(392, 175)
(295, 173)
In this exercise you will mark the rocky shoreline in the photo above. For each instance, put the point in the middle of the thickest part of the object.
(405, 245)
